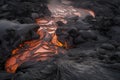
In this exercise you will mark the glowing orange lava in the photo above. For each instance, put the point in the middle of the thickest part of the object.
(47, 45)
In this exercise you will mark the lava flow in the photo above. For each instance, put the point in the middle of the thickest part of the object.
(47, 45)
(36, 50)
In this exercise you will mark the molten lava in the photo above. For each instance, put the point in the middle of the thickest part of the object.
(47, 45)
(63, 11)
(36, 50)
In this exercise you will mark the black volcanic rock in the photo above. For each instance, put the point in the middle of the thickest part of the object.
(107, 46)
(79, 39)
(115, 33)
(88, 34)
(22, 9)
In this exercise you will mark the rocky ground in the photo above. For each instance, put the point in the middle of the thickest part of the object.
(23, 11)
(94, 43)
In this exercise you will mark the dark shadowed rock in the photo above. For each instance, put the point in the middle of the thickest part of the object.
(118, 48)
(115, 33)
(118, 54)
(88, 34)
(14, 9)
(117, 20)
(60, 23)
(107, 46)
(79, 40)
(34, 16)
(73, 32)
(101, 51)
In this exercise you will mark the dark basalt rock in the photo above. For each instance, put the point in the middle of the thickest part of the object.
(88, 34)
(101, 51)
(79, 39)
(115, 33)
(118, 48)
(107, 46)
(22, 9)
